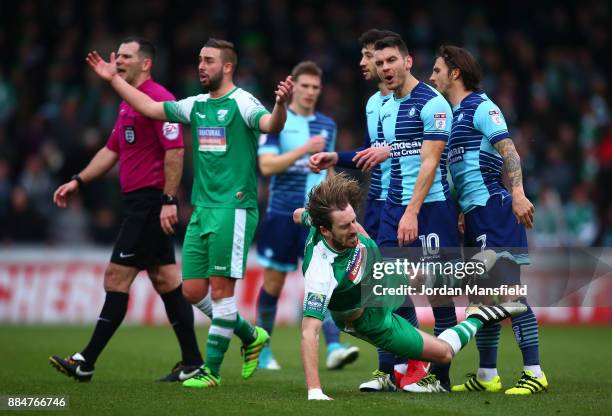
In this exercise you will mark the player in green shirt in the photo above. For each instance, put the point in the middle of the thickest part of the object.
(338, 265)
(225, 125)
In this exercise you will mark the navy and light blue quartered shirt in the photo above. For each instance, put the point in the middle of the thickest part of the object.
(475, 165)
(421, 115)
(289, 189)
(380, 176)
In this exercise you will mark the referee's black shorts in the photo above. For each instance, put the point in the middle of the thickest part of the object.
(142, 242)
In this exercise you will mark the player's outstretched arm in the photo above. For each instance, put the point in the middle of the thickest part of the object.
(521, 206)
(98, 166)
(137, 99)
(408, 228)
(274, 122)
(311, 327)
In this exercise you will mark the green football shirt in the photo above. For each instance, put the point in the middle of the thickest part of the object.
(225, 134)
(334, 278)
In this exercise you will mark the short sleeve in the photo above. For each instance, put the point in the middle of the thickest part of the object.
(179, 111)
(170, 135)
(250, 109)
(306, 219)
(319, 285)
(437, 118)
(489, 120)
(269, 144)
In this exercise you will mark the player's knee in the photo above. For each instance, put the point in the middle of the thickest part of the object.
(273, 283)
(192, 294)
(115, 280)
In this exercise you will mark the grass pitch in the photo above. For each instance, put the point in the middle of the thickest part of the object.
(577, 362)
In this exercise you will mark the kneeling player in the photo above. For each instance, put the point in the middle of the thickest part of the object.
(338, 262)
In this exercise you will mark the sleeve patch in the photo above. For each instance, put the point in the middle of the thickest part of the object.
(440, 121)
(315, 302)
(495, 117)
(170, 130)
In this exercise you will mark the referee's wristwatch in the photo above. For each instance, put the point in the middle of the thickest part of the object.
(77, 178)
(169, 200)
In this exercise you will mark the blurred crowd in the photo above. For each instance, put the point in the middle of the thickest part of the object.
(546, 65)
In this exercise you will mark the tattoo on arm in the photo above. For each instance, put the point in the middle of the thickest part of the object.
(512, 161)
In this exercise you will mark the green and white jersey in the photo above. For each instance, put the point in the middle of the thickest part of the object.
(225, 133)
(333, 278)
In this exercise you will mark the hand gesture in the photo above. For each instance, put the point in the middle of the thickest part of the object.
(523, 209)
(284, 90)
(322, 161)
(315, 144)
(168, 217)
(408, 228)
(105, 70)
(367, 159)
(60, 196)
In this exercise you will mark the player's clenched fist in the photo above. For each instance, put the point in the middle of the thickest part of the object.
(322, 161)
(284, 90)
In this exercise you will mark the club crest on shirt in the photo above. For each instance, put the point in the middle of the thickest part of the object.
(460, 117)
(495, 117)
(129, 134)
(412, 112)
(440, 120)
(221, 114)
(170, 130)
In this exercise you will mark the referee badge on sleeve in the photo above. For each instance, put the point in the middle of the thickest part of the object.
(129, 134)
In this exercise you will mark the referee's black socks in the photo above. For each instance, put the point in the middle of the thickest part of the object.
(113, 312)
(180, 315)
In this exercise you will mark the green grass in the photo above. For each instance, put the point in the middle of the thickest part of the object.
(577, 361)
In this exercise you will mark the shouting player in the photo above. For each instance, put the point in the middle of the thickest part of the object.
(225, 126)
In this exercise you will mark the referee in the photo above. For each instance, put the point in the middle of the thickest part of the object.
(150, 155)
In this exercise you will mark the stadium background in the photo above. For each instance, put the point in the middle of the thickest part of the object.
(547, 64)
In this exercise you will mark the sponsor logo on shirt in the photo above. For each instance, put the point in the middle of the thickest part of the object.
(440, 121)
(460, 117)
(412, 112)
(129, 134)
(314, 302)
(212, 139)
(354, 266)
(170, 130)
(456, 155)
(402, 149)
(385, 116)
(495, 117)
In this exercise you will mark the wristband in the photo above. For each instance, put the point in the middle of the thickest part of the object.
(169, 200)
(77, 178)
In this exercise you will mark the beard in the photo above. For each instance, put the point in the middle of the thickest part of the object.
(213, 83)
(344, 243)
